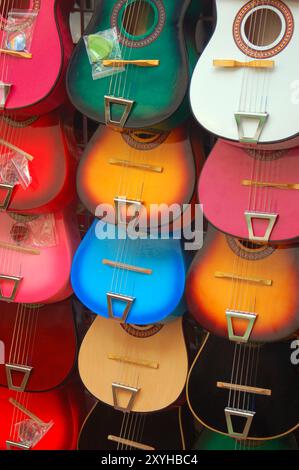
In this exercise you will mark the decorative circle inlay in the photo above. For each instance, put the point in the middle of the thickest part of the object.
(127, 41)
(19, 123)
(249, 250)
(263, 51)
(141, 331)
(144, 140)
(265, 155)
(22, 217)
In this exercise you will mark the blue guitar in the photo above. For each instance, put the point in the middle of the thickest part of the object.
(138, 281)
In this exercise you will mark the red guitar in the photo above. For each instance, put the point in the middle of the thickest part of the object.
(40, 345)
(36, 255)
(34, 52)
(252, 194)
(41, 421)
(37, 166)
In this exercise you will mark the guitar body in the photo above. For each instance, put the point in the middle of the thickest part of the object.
(228, 214)
(275, 414)
(157, 92)
(63, 406)
(35, 336)
(249, 279)
(104, 421)
(152, 359)
(44, 277)
(152, 168)
(209, 440)
(96, 272)
(250, 90)
(53, 166)
(37, 84)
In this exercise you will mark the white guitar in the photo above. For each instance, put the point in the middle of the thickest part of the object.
(245, 86)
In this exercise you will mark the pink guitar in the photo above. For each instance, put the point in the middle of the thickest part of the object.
(252, 194)
(34, 53)
(35, 257)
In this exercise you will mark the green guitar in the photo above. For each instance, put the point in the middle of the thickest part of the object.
(142, 72)
(209, 440)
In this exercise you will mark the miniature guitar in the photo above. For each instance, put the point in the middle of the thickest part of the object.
(36, 45)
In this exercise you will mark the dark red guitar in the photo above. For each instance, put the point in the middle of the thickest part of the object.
(40, 345)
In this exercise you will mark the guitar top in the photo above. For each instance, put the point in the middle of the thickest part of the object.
(139, 97)
(108, 429)
(134, 368)
(26, 416)
(261, 200)
(140, 169)
(244, 85)
(245, 391)
(43, 146)
(116, 276)
(256, 285)
(33, 73)
(37, 338)
(31, 245)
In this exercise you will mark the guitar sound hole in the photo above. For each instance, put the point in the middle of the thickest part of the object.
(263, 27)
(263, 31)
(138, 18)
(248, 245)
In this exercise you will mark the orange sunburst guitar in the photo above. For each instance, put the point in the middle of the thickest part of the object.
(245, 291)
(134, 368)
(140, 168)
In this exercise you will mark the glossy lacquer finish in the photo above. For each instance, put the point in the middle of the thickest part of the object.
(157, 92)
(45, 274)
(161, 345)
(38, 83)
(260, 280)
(149, 167)
(218, 92)
(49, 141)
(228, 171)
(39, 337)
(64, 407)
(161, 430)
(269, 368)
(157, 292)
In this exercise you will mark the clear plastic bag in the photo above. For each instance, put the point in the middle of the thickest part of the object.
(31, 231)
(14, 170)
(30, 432)
(43, 232)
(102, 46)
(19, 30)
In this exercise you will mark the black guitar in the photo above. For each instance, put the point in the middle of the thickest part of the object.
(108, 429)
(245, 390)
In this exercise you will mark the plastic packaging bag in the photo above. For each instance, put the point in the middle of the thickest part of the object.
(30, 432)
(19, 30)
(34, 231)
(102, 46)
(14, 170)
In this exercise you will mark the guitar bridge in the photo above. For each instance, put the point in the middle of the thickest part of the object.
(248, 417)
(127, 108)
(261, 119)
(4, 93)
